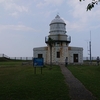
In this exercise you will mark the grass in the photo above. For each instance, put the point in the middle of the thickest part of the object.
(89, 76)
(20, 83)
(10, 63)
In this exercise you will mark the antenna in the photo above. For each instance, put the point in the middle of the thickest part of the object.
(90, 47)
(87, 47)
(90, 35)
(57, 13)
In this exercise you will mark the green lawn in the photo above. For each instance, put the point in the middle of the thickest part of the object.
(19, 82)
(10, 63)
(89, 76)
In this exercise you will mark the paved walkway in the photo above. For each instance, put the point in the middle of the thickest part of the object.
(77, 91)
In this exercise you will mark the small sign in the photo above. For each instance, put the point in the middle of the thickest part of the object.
(38, 62)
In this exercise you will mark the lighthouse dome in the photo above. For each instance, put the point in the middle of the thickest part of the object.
(57, 20)
(57, 26)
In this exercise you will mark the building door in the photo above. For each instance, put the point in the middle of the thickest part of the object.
(75, 58)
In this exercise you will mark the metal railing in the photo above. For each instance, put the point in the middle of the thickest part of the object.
(16, 58)
(30, 58)
(67, 39)
(88, 58)
(3, 55)
(21, 58)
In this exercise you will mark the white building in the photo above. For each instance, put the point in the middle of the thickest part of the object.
(58, 49)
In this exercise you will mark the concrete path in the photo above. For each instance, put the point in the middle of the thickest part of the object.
(77, 91)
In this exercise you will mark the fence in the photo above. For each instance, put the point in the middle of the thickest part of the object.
(21, 58)
(16, 58)
(30, 58)
(3, 55)
(88, 58)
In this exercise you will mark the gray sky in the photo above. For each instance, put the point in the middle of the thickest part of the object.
(25, 23)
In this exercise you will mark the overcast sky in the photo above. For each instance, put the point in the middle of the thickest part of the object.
(25, 23)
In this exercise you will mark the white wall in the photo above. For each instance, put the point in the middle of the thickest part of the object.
(76, 50)
(64, 52)
(41, 50)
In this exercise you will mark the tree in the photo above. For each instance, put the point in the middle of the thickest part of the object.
(92, 4)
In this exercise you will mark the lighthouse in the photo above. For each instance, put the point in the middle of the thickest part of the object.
(57, 41)
(58, 48)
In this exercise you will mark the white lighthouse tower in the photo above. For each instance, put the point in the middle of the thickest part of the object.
(57, 41)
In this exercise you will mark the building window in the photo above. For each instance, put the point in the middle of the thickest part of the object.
(58, 54)
(40, 56)
(58, 44)
(61, 43)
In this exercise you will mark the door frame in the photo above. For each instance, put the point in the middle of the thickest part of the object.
(75, 58)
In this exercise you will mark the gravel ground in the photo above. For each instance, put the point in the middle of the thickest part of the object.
(77, 91)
